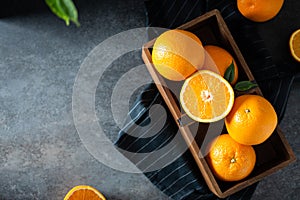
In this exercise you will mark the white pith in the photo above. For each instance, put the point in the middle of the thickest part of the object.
(206, 96)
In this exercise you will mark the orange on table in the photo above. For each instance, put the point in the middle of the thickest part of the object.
(295, 45)
(218, 60)
(206, 96)
(177, 54)
(84, 192)
(251, 120)
(230, 160)
(259, 10)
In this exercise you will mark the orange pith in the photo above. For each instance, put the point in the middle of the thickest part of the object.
(206, 96)
(252, 120)
(229, 160)
(177, 54)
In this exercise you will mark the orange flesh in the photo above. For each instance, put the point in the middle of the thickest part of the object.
(206, 97)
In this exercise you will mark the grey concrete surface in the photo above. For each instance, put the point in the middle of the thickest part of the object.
(41, 154)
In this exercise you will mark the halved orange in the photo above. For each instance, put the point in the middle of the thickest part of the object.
(295, 45)
(206, 96)
(84, 192)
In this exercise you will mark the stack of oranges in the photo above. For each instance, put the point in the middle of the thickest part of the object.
(251, 121)
(208, 74)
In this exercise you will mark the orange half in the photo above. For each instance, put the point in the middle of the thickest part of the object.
(84, 192)
(295, 45)
(206, 96)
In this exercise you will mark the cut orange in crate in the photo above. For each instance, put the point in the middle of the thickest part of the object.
(206, 96)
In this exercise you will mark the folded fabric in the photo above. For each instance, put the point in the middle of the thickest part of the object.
(181, 179)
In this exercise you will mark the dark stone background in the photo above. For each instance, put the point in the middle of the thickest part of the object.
(41, 154)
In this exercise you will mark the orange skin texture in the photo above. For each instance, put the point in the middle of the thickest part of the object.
(251, 120)
(230, 160)
(218, 60)
(259, 10)
(177, 54)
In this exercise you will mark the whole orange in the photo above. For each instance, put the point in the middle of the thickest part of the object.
(259, 10)
(218, 60)
(230, 160)
(251, 120)
(177, 54)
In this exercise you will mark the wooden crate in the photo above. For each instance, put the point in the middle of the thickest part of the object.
(272, 155)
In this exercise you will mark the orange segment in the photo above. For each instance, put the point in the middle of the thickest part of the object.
(84, 192)
(295, 45)
(206, 96)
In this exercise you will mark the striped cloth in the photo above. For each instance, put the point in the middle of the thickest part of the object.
(181, 179)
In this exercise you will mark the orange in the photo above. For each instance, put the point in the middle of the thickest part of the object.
(295, 45)
(84, 192)
(177, 54)
(230, 160)
(259, 10)
(252, 120)
(206, 96)
(218, 60)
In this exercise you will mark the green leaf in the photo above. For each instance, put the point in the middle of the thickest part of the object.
(244, 85)
(64, 9)
(229, 73)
